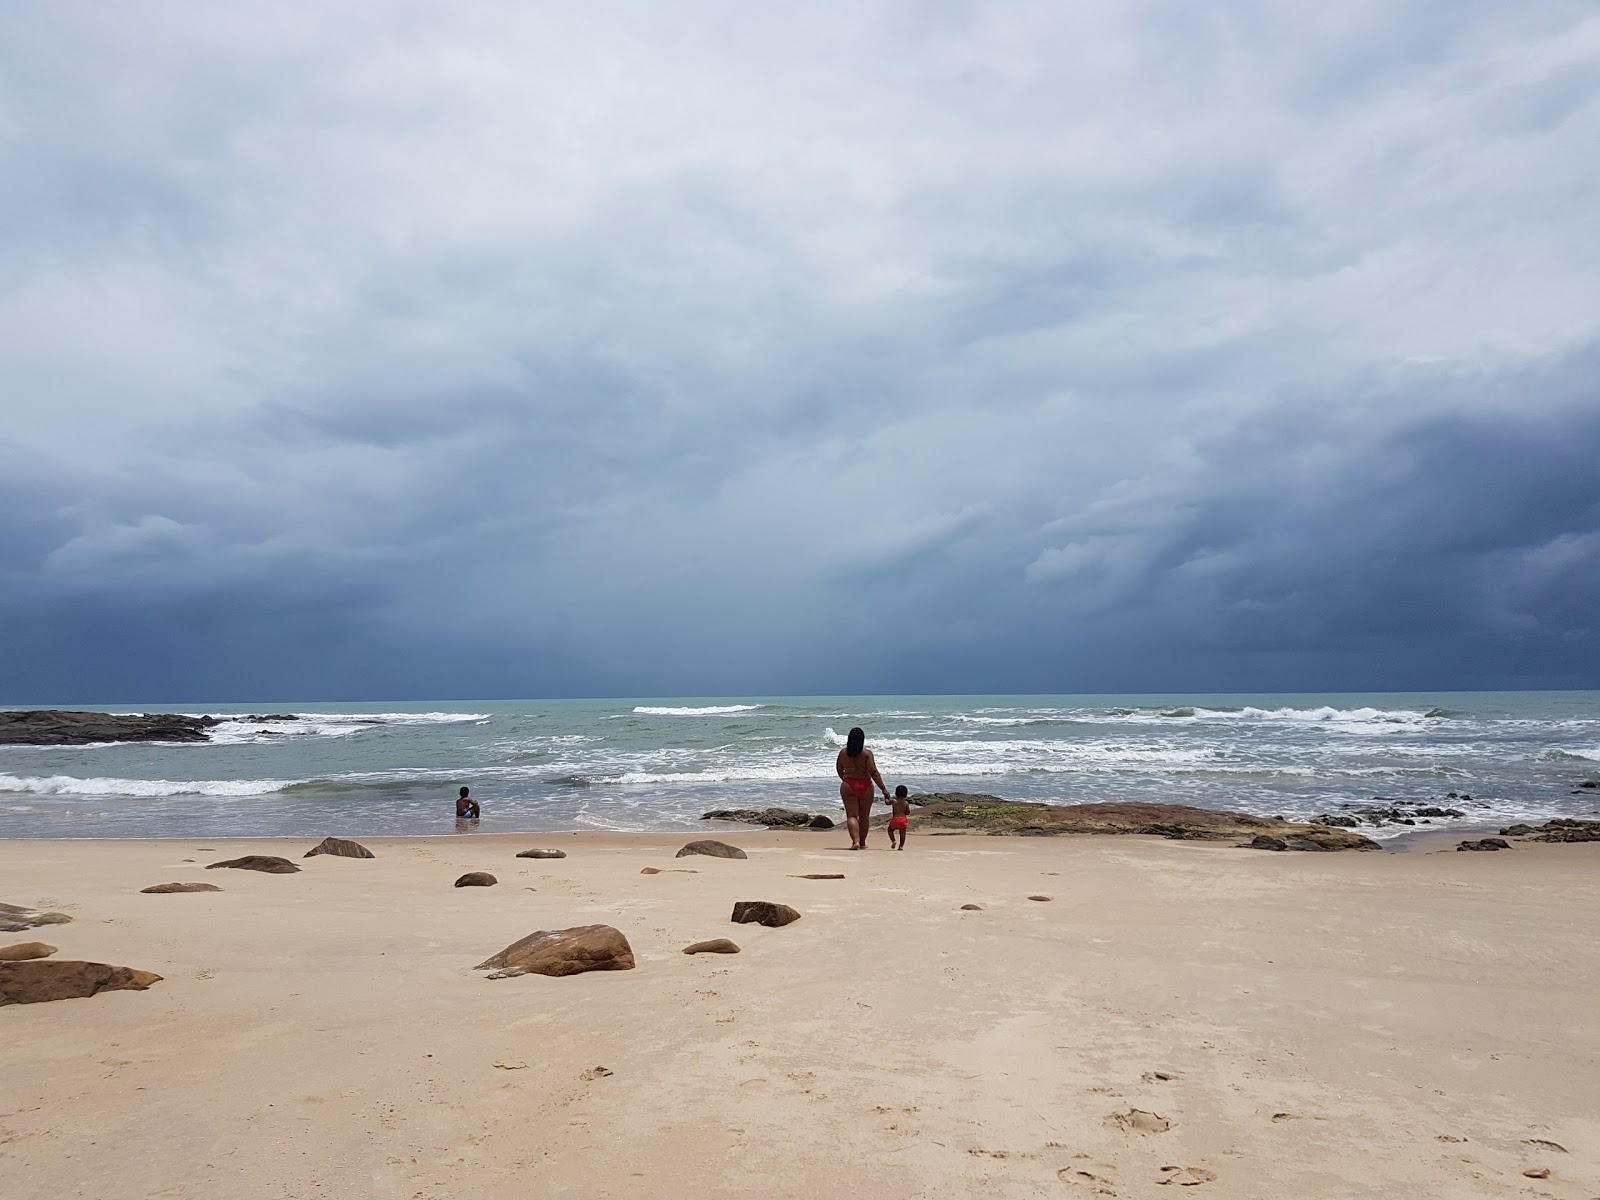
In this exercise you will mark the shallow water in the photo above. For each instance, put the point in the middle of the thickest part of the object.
(659, 764)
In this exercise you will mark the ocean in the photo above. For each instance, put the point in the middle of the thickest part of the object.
(541, 765)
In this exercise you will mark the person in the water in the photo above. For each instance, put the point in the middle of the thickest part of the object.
(466, 806)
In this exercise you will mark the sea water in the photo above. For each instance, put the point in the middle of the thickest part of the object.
(658, 764)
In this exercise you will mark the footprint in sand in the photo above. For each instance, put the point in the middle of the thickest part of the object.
(1186, 1176)
(1086, 1181)
(1136, 1120)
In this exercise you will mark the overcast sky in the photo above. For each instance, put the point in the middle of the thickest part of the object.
(388, 350)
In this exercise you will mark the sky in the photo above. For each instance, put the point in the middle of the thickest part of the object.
(399, 350)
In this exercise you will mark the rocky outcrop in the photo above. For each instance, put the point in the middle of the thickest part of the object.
(25, 952)
(14, 918)
(562, 952)
(712, 849)
(772, 818)
(1385, 810)
(477, 879)
(714, 946)
(55, 727)
(1566, 830)
(1563, 829)
(162, 888)
(997, 816)
(541, 853)
(1486, 844)
(270, 864)
(763, 912)
(44, 980)
(340, 847)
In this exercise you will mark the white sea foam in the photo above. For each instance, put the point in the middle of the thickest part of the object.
(649, 710)
(240, 730)
(67, 785)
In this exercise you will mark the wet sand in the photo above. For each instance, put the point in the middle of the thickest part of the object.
(1305, 1025)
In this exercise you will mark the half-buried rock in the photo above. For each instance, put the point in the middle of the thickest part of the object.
(25, 952)
(342, 847)
(763, 912)
(562, 952)
(270, 863)
(38, 982)
(541, 853)
(714, 946)
(180, 887)
(477, 879)
(712, 849)
(14, 918)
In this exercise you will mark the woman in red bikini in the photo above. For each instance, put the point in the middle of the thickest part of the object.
(858, 771)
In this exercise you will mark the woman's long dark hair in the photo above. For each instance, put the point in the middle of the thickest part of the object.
(854, 743)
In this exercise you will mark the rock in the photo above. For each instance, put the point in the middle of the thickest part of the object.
(44, 980)
(270, 863)
(541, 853)
(565, 952)
(816, 877)
(972, 908)
(820, 822)
(1567, 830)
(180, 887)
(714, 946)
(1336, 821)
(1263, 841)
(773, 818)
(1516, 831)
(25, 951)
(712, 849)
(14, 918)
(342, 847)
(1537, 1172)
(649, 870)
(477, 879)
(1486, 844)
(55, 727)
(763, 912)
(1136, 1120)
(1590, 783)
(996, 816)
(1042, 898)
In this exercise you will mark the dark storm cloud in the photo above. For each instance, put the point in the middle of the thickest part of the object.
(974, 347)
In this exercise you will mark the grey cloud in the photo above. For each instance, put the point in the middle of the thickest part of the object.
(513, 350)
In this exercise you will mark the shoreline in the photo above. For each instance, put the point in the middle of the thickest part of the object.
(1314, 1025)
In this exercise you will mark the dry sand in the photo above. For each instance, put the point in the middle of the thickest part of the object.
(1410, 1025)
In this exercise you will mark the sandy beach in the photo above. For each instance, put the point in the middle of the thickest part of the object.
(1303, 1025)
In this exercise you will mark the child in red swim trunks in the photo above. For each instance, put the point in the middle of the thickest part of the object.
(900, 807)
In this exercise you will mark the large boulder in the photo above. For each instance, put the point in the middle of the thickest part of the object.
(541, 853)
(1568, 830)
(25, 952)
(1485, 844)
(820, 822)
(763, 912)
(477, 879)
(271, 864)
(562, 952)
(341, 847)
(14, 918)
(161, 888)
(43, 980)
(712, 849)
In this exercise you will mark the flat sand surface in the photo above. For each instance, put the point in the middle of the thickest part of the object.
(1308, 1025)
